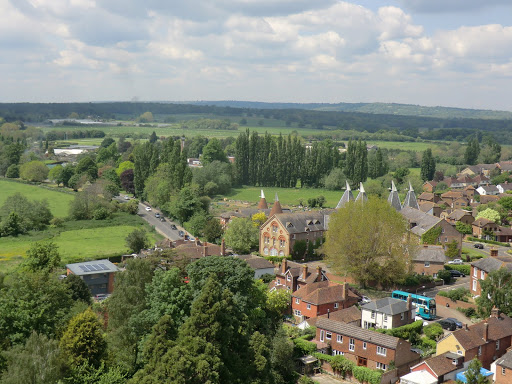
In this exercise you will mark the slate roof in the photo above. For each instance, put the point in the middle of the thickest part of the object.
(432, 253)
(482, 221)
(488, 264)
(443, 363)
(420, 221)
(256, 262)
(387, 305)
(458, 214)
(506, 186)
(346, 197)
(498, 328)
(356, 332)
(426, 206)
(505, 360)
(323, 292)
(410, 199)
(299, 221)
(489, 188)
(92, 267)
(393, 198)
(427, 196)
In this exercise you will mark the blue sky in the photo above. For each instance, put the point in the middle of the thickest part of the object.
(429, 52)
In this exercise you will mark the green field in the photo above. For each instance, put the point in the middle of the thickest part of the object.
(76, 244)
(287, 196)
(405, 146)
(58, 201)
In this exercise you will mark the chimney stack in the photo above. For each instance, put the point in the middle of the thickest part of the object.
(205, 249)
(345, 291)
(198, 243)
(284, 266)
(495, 312)
(494, 252)
(319, 270)
(328, 313)
(466, 326)
(304, 271)
(409, 303)
(486, 331)
(222, 248)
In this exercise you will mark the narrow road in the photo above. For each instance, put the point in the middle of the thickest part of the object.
(162, 227)
(502, 251)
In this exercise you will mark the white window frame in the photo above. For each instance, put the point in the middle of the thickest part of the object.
(479, 351)
(336, 305)
(288, 277)
(328, 335)
(339, 339)
(322, 335)
(381, 351)
(373, 315)
(402, 316)
(337, 353)
(385, 318)
(351, 345)
(482, 275)
(364, 344)
(308, 306)
(297, 312)
(474, 285)
(503, 371)
(427, 264)
(297, 301)
(475, 272)
(381, 366)
(497, 344)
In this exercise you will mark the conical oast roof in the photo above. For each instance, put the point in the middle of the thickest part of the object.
(410, 199)
(347, 196)
(263, 202)
(393, 198)
(361, 196)
(276, 208)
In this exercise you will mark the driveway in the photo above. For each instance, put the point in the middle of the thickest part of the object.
(323, 378)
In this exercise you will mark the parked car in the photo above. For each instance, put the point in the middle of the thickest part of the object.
(148, 209)
(456, 261)
(457, 322)
(479, 246)
(449, 325)
(162, 219)
(181, 233)
(157, 215)
(364, 300)
(456, 273)
(101, 296)
(127, 197)
(173, 227)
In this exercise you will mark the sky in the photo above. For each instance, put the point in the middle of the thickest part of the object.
(455, 53)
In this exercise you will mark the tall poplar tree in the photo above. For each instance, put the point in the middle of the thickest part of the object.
(428, 165)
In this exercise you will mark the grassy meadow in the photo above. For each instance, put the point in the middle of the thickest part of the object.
(58, 201)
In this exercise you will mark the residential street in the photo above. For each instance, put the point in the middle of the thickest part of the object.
(502, 251)
(164, 228)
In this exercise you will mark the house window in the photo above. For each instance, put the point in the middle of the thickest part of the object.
(381, 351)
(402, 316)
(474, 285)
(297, 301)
(427, 264)
(479, 351)
(337, 353)
(497, 344)
(281, 243)
(482, 275)
(445, 239)
(336, 305)
(309, 306)
(351, 345)
(293, 236)
(503, 371)
(297, 312)
(322, 333)
(442, 230)
(339, 339)
(328, 335)
(274, 228)
(289, 277)
(364, 344)
(385, 318)
(381, 366)
(373, 314)
(475, 272)
(278, 281)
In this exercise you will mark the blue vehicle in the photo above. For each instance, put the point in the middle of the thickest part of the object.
(425, 306)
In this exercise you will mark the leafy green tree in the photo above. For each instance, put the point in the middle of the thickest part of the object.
(213, 230)
(335, 180)
(67, 173)
(490, 214)
(186, 205)
(34, 171)
(13, 172)
(213, 151)
(472, 152)
(82, 341)
(153, 138)
(428, 165)
(32, 302)
(278, 301)
(281, 358)
(33, 214)
(12, 225)
(38, 361)
(78, 289)
(86, 165)
(400, 174)
(367, 242)
(241, 235)
(496, 292)
(146, 117)
(452, 250)
(137, 240)
(473, 374)
(125, 165)
(42, 256)
(55, 173)
(465, 229)
(107, 141)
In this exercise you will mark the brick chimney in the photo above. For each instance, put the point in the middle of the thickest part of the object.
(222, 248)
(328, 313)
(198, 243)
(304, 271)
(494, 252)
(284, 266)
(345, 291)
(319, 270)
(205, 249)
(495, 312)
(466, 326)
(486, 331)
(409, 303)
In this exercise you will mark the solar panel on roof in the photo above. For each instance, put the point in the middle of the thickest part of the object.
(94, 267)
(83, 268)
(103, 266)
(88, 268)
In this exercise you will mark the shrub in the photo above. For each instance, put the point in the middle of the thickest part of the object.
(304, 347)
(468, 312)
(445, 275)
(367, 375)
(461, 294)
(101, 213)
(405, 331)
(488, 241)
(339, 364)
(433, 332)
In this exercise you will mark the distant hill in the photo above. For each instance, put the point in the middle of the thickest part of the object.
(374, 108)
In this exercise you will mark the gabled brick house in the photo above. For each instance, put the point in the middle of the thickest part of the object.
(319, 298)
(502, 369)
(480, 269)
(429, 260)
(364, 347)
(442, 367)
(293, 276)
(461, 215)
(486, 340)
(481, 226)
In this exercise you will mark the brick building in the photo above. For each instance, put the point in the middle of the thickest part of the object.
(481, 226)
(502, 369)
(443, 367)
(293, 276)
(480, 269)
(429, 260)
(364, 347)
(486, 340)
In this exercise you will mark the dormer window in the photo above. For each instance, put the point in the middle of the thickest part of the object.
(289, 225)
(317, 222)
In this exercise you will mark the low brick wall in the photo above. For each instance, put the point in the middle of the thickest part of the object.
(442, 301)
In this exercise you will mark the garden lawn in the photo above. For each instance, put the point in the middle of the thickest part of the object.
(287, 196)
(58, 201)
(74, 245)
